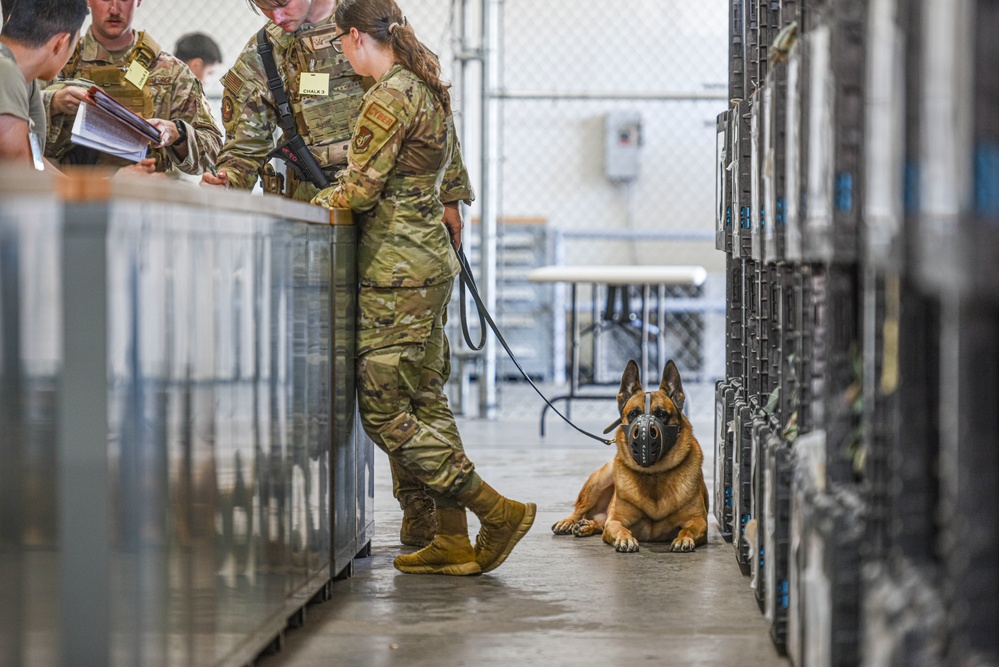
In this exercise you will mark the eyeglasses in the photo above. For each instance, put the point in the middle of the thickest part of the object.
(336, 44)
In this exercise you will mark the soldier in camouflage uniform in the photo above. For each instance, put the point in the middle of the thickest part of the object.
(404, 161)
(302, 34)
(133, 69)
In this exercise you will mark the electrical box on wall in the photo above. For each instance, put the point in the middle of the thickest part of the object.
(622, 139)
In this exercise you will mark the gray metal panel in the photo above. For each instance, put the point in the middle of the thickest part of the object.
(167, 484)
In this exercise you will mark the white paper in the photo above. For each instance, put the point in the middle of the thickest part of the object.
(95, 128)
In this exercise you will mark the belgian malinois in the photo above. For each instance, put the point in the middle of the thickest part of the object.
(653, 490)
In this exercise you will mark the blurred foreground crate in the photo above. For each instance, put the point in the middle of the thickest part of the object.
(722, 499)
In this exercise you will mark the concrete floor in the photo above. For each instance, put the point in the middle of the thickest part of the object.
(557, 600)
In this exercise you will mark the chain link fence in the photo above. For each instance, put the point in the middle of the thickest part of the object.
(567, 70)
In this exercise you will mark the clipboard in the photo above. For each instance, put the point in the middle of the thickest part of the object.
(113, 107)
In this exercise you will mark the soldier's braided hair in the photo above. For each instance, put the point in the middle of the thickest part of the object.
(383, 20)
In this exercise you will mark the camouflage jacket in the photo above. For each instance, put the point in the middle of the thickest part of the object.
(404, 161)
(176, 95)
(250, 115)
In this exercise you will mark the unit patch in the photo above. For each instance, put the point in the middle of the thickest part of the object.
(227, 109)
(362, 140)
(380, 116)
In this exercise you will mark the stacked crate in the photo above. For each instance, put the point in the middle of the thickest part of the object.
(857, 437)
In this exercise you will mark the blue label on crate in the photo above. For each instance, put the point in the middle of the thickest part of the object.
(844, 192)
(728, 217)
(911, 186)
(763, 217)
(987, 180)
(780, 212)
(782, 593)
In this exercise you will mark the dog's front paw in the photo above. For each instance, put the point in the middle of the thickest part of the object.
(626, 545)
(585, 528)
(685, 544)
(563, 527)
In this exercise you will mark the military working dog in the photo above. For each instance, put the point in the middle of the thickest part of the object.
(653, 490)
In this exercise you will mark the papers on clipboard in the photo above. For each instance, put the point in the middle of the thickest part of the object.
(103, 124)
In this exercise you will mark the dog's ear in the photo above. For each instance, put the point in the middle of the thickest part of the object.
(672, 386)
(630, 383)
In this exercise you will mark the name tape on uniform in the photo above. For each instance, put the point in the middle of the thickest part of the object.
(380, 116)
(314, 83)
(137, 75)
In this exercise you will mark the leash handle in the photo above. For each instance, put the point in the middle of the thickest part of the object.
(466, 279)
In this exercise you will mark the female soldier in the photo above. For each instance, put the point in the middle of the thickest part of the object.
(403, 163)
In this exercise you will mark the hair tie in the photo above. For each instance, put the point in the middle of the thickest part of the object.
(394, 25)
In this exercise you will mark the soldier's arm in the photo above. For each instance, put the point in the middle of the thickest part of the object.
(249, 120)
(14, 146)
(190, 107)
(456, 186)
(61, 99)
(371, 158)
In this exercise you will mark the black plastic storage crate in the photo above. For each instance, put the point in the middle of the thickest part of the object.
(904, 619)
(723, 186)
(786, 321)
(777, 538)
(796, 138)
(835, 352)
(958, 234)
(762, 431)
(742, 481)
(891, 117)
(750, 319)
(808, 454)
(735, 362)
(736, 51)
(751, 43)
(915, 446)
(768, 333)
(879, 421)
(757, 215)
(828, 580)
(724, 437)
(804, 325)
(774, 163)
(969, 485)
(741, 177)
(836, 56)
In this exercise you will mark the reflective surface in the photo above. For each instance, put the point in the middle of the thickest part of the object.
(177, 430)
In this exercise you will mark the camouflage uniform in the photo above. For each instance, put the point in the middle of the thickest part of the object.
(172, 92)
(250, 115)
(404, 161)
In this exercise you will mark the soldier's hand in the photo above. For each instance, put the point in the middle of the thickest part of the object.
(67, 100)
(146, 166)
(210, 179)
(169, 134)
(452, 220)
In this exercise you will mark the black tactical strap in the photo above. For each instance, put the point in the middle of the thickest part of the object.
(266, 51)
(466, 279)
(293, 150)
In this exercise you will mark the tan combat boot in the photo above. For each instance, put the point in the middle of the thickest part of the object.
(450, 552)
(504, 522)
(419, 522)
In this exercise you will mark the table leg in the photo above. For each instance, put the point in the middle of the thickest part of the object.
(645, 336)
(661, 338)
(574, 371)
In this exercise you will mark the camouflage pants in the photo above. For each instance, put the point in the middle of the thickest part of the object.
(403, 363)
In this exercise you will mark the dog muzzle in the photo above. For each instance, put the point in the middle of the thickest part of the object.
(648, 438)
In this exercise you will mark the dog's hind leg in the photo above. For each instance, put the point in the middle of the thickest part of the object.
(591, 503)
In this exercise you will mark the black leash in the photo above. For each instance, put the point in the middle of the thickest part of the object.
(468, 280)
